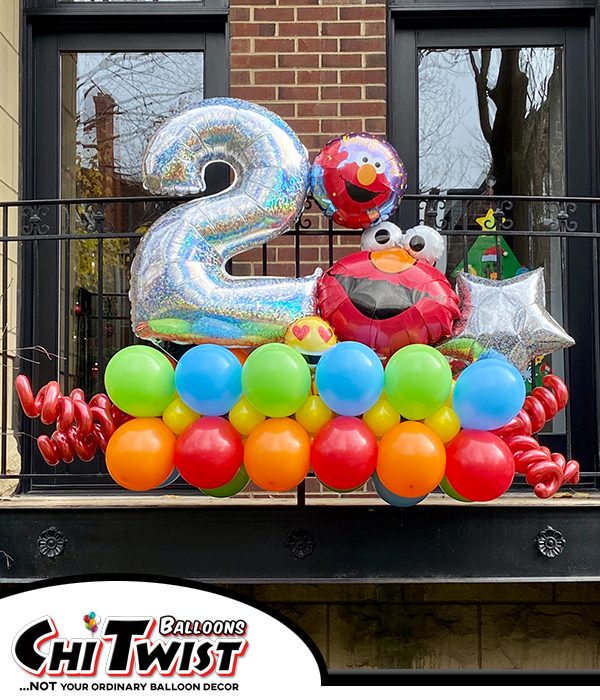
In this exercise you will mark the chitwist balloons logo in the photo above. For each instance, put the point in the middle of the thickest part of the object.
(124, 638)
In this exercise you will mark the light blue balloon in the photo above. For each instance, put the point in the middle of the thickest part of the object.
(392, 498)
(349, 378)
(488, 394)
(171, 479)
(208, 379)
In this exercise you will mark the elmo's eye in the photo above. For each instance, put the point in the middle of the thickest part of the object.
(365, 159)
(417, 243)
(381, 237)
(424, 243)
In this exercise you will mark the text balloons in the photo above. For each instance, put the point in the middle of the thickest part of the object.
(237, 484)
(140, 454)
(488, 394)
(479, 465)
(418, 380)
(277, 454)
(344, 453)
(209, 379)
(140, 381)
(276, 380)
(411, 460)
(391, 498)
(209, 453)
(349, 378)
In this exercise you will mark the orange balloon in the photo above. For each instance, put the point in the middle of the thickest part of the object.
(411, 460)
(140, 454)
(240, 353)
(277, 454)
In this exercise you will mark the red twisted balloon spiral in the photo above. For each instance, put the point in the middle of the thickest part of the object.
(546, 471)
(80, 427)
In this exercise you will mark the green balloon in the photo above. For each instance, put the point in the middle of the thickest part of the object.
(237, 484)
(140, 381)
(449, 491)
(418, 380)
(276, 380)
(341, 490)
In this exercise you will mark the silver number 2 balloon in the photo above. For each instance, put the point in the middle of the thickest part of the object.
(180, 290)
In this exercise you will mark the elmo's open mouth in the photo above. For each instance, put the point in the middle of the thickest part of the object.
(379, 299)
(359, 194)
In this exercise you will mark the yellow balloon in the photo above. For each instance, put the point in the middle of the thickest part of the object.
(313, 414)
(177, 416)
(381, 417)
(444, 423)
(448, 401)
(244, 417)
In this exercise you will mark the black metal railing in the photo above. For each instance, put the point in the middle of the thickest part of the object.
(65, 307)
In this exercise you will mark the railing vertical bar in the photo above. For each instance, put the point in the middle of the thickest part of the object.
(301, 494)
(330, 242)
(130, 225)
(100, 331)
(264, 260)
(465, 227)
(297, 250)
(67, 300)
(565, 307)
(596, 329)
(530, 267)
(5, 285)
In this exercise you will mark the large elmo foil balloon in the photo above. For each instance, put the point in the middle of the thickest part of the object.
(387, 300)
(357, 180)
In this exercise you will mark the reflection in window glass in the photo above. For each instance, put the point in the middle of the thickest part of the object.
(112, 104)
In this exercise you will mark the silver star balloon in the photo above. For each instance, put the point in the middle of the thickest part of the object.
(507, 316)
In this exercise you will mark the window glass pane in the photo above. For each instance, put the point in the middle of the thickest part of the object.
(491, 122)
(111, 105)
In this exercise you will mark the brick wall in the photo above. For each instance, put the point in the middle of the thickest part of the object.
(320, 65)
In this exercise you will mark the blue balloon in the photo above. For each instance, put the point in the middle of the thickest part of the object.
(392, 498)
(488, 394)
(349, 378)
(208, 379)
(171, 479)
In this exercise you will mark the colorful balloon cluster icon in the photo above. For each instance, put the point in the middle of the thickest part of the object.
(91, 621)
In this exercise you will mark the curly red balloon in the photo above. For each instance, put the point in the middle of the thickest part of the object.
(546, 471)
(80, 427)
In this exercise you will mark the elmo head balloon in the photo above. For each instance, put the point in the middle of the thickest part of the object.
(387, 300)
(357, 180)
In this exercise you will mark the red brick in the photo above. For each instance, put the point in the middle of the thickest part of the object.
(273, 45)
(375, 28)
(298, 93)
(304, 126)
(317, 45)
(282, 269)
(252, 29)
(239, 14)
(253, 93)
(317, 109)
(375, 60)
(297, 29)
(298, 60)
(254, 2)
(363, 45)
(309, 239)
(363, 109)
(314, 142)
(296, 2)
(362, 13)
(341, 126)
(323, 14)
(289, 254)
(319, 77)
(275, 77)
(274, 14)
(349, 239)
(341, 60)
(238, 45)
(341, 29)
(375, 126)
(335, 92)
(252, 60)
(240, 77)
(241, 269)
(307, 268)
(376, 92)
(283, 109)
(362, 77)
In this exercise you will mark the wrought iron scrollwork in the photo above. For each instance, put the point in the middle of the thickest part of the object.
(51, 543)
(93, 218)
(32, 220)
(300, 543)
(550, 542)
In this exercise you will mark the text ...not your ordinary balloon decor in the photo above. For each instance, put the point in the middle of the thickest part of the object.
(180, 290)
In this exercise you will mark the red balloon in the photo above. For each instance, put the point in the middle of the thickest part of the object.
(209, 453)
(479, 465)
(344, 453)
(387, 300)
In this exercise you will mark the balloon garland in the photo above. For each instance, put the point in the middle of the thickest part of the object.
(356, 392)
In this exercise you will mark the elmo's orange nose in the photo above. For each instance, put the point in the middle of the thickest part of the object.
(395, 260)
(366, 174)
